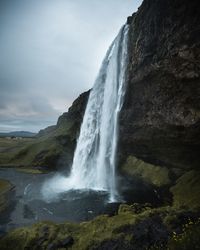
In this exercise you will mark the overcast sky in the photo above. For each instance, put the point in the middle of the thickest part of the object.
(50, 52)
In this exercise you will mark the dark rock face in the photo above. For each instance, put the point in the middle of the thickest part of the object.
(160, 119)
(76, 111)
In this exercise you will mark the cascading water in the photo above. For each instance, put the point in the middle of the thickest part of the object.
(94, 159)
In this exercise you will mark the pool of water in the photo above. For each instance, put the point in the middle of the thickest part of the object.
(28, 205)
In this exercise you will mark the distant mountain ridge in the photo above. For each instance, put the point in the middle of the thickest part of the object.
(18, 134)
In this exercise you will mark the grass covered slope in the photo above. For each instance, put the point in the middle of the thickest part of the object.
(156, 175)
(52, 148)
(9, 147)
(186, 191)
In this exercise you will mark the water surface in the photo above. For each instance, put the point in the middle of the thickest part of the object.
(28, 206)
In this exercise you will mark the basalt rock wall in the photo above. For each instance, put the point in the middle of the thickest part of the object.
(160, 119)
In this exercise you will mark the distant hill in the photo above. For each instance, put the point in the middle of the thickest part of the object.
(18, 134)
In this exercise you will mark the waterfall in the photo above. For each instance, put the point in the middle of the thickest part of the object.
(94, 158)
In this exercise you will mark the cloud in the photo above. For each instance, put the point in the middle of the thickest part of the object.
(51, 52)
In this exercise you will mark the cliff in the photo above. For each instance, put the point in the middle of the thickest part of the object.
(159, 128)
(160, 119)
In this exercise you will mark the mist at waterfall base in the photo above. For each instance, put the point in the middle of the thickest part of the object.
(93, 165)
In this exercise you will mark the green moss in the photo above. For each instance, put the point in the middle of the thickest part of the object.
(156, 175)
(84, 234)
(188, 239)
(126, 229)
(5, 187)
(135, 208)
(125, 208)
(186, 192)
(100, 229)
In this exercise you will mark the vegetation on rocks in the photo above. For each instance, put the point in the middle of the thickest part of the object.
(5, 188)
(188, 238)
(161, 228)
(186, 191)
(156, 175)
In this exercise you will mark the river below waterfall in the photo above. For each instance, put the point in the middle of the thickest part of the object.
(27, 205)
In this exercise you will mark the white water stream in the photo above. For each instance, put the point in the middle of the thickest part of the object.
(94, 159)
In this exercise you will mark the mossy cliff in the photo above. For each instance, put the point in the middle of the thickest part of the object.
(156, 175)
(183, 187)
